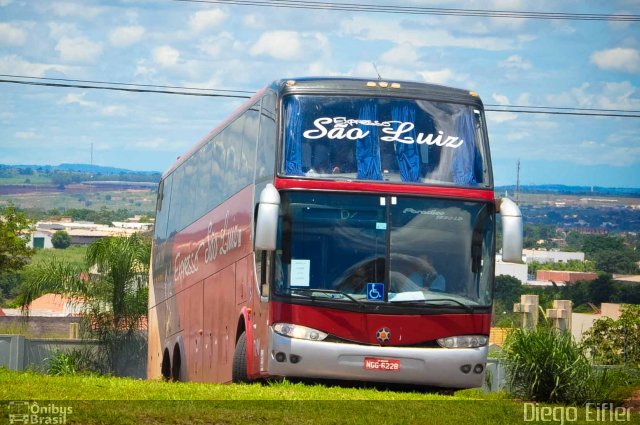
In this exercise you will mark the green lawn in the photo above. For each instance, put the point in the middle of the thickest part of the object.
(96, 400)
(74, 255)
(142, 201)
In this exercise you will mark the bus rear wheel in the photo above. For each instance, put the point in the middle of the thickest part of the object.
(239, 371)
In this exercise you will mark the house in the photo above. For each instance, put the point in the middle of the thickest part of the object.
(82, 232)
(565, 276)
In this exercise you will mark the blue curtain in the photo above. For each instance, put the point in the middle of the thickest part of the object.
(408, 155)
(368, 148)
(462, 167)
(293, 150)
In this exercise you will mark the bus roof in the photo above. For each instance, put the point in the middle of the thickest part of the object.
(343, 86)
(372, 87)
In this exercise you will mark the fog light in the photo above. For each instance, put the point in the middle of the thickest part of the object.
(478, 369)
(281, 357)
(294, 358)
(465, 368)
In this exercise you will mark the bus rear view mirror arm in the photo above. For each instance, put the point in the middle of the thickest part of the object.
(267, 221)
(511, 230)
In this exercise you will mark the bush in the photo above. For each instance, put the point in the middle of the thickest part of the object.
(70, 362)
(547, 365)
(61, 239)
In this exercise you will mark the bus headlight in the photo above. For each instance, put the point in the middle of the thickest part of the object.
(463, 341)
(300, 332)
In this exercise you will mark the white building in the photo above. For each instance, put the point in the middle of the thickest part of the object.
(551, 256)
(519, 271)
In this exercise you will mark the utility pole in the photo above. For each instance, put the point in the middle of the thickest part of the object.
(518, 182)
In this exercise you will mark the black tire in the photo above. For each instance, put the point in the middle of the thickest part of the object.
(166, 366)
(177, 364)
(239, 371)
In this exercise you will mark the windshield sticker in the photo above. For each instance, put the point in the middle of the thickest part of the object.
(375, 291)
(381, 226)
(438, 214)
(340, 130)
(300, 271)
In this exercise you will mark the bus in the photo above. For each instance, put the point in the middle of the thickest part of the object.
(331, 228)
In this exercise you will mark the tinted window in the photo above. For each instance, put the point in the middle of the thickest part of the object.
(382, 139)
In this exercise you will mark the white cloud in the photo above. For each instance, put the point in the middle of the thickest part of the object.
(612, 95)
(442, 76)
(166, 56)
(515, 62)
(278, 44)
(57, 30)
(251, 21)
(114, 110)
(618, 59)
(30, 134)
(12, 35)
(126, 36)
(76, 10)
(222, 44)
(205, 19)
(371, 29)
(500, 99)
(157, 144)
(77, 99)
(500, 117)
(13, 64)
(403, 53)
(78, 49)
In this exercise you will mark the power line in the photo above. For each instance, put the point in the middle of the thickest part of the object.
(552, 112)
(238, 94)
(68, 80)
(125, 89)
(365, 7)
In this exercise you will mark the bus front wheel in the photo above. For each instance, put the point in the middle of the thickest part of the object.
(239, 371)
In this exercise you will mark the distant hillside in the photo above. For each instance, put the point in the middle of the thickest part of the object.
(574, 190)
(80, 168)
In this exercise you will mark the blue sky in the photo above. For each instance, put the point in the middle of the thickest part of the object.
(532, 62)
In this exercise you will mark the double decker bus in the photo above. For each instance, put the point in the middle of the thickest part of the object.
(337, 229)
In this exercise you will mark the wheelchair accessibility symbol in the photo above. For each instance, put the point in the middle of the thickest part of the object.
(375, 291)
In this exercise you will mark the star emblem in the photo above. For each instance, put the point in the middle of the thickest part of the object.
(383, 335)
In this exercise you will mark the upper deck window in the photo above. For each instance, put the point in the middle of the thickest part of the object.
(384, 139)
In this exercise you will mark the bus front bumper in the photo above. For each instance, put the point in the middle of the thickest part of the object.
(438, 367)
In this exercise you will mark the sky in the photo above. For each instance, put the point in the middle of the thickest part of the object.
(568, 63)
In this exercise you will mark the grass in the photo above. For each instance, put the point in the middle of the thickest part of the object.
(74, 255)
(141, 200)
(96, 399)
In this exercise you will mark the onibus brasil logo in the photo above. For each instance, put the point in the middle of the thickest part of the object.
(31, 412)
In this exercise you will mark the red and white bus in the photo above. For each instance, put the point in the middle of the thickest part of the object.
(332, 229)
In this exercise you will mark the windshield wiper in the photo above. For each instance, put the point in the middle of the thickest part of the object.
(429, 300)
(326, 291)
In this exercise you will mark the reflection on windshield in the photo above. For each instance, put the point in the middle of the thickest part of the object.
(395, 140)
(367, 248)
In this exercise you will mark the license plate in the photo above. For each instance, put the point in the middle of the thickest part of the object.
(390, 365)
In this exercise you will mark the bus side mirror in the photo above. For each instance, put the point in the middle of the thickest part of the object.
(267, 220)
(511, 231)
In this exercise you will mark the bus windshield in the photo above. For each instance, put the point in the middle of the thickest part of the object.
(384, 139)
(385, 249)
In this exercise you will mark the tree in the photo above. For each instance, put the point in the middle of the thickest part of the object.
(61, 239)
(616, 342)
(508, 290)
(114, 301)
(15, 230)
